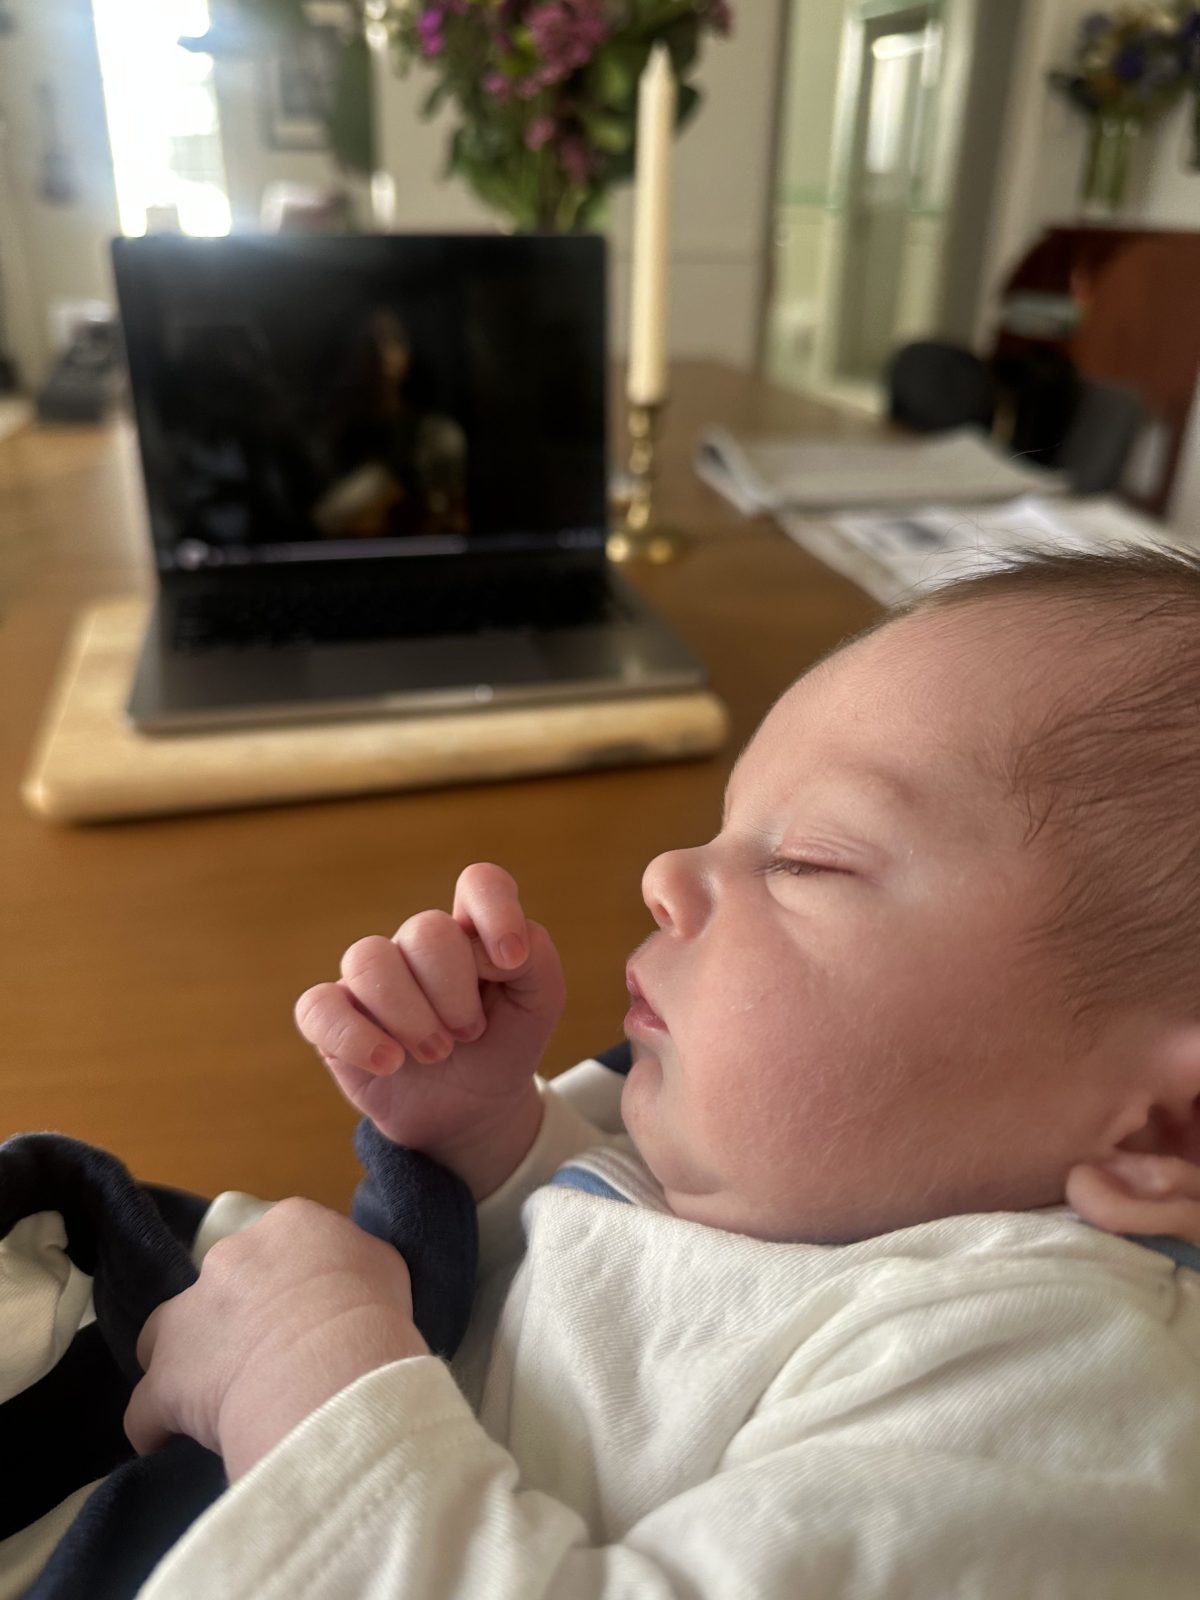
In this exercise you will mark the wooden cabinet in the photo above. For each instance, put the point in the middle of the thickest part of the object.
(1138, 293)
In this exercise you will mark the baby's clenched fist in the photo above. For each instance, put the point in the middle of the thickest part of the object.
(436, 1033)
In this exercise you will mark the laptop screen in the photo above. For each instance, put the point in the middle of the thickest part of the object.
(302, 398)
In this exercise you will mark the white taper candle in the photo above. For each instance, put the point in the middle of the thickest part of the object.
(651, 231)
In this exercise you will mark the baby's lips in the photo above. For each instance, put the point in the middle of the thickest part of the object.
(641, 1003)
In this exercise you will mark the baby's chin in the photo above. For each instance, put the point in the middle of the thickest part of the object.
(687, 1192)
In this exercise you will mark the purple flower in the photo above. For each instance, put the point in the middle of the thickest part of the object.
(720, 16)
(540, 132)
(1130, 63)
(576, 159)
(498, 86)
(429, 30)
(566, 35)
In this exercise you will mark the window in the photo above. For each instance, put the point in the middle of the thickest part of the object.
(162, 115)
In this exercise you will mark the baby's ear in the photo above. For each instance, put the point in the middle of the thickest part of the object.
(1147, 1180)
(1139, 1191)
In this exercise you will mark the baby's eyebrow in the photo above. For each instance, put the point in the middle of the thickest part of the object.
(906, 796)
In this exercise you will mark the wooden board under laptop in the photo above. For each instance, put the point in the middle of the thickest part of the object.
(89, 765)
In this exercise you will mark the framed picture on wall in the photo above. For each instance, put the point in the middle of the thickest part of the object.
(300, 77)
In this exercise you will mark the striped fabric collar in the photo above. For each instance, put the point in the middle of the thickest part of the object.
(615, 1174)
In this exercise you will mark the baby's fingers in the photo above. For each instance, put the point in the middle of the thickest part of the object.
(328, 1018)
(441, 958)
(380, 981)
(487, 905)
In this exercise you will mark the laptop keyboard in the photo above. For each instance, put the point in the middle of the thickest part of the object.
(302, 611)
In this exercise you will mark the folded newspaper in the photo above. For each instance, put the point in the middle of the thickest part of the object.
(901, 553)
(775, 475)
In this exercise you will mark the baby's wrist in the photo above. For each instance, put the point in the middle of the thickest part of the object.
(265, 1403)
(487, 1152)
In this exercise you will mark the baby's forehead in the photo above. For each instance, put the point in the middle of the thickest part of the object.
(931, 712)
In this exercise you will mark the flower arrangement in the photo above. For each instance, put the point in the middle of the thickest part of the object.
(1129, 62)
(545, 91)
(1129, 65)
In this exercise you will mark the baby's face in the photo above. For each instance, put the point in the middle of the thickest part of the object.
(845, 1026)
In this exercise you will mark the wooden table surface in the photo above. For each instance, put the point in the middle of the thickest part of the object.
(150, 968)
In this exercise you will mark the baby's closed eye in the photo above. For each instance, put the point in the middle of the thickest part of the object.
(791, 867)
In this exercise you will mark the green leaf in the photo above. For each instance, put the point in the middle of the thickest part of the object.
(689, 103)
(612, 77)
(435, 99)
(607, 132)
(682, 39)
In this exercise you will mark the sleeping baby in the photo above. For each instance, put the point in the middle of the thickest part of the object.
(805, 1303)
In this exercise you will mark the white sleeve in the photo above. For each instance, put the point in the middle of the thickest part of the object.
(995, 1457)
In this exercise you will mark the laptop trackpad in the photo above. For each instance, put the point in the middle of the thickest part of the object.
(411, 665)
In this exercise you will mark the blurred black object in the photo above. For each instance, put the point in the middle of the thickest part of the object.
(1037, 402)
(1039, 392)
(1101, 433)
(87, 377)
(934, 386)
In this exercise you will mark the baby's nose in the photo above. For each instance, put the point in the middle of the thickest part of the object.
(674, 891)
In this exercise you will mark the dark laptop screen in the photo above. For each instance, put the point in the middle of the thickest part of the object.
(368, 395)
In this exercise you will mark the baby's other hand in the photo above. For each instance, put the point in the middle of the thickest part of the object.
(283, 1316)
(435, 1034)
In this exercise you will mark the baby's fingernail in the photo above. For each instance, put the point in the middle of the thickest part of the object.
(473, 1031)
(512, 950)
(386, 1058)
(436, 1048)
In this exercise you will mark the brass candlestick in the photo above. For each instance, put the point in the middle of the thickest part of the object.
(639, 537)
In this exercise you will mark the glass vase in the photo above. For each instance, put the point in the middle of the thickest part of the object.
(1111, 140)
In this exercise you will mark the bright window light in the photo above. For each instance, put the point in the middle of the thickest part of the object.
(162, 115)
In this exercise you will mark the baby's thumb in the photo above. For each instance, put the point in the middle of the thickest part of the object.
(536, 986)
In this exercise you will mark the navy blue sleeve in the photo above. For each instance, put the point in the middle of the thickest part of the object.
(428, 1214)
(617, 1058)
(66, 1429)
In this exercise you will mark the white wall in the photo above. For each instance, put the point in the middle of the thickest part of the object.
(250, 163)
(720, 215)
(52, 252)
(1169, 193)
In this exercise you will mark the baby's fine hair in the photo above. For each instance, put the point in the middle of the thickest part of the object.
(1110, 778)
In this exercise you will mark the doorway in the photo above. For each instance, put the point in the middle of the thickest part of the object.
(884, 185)
(895, 105)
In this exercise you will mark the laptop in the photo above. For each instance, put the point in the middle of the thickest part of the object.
(376, 474)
